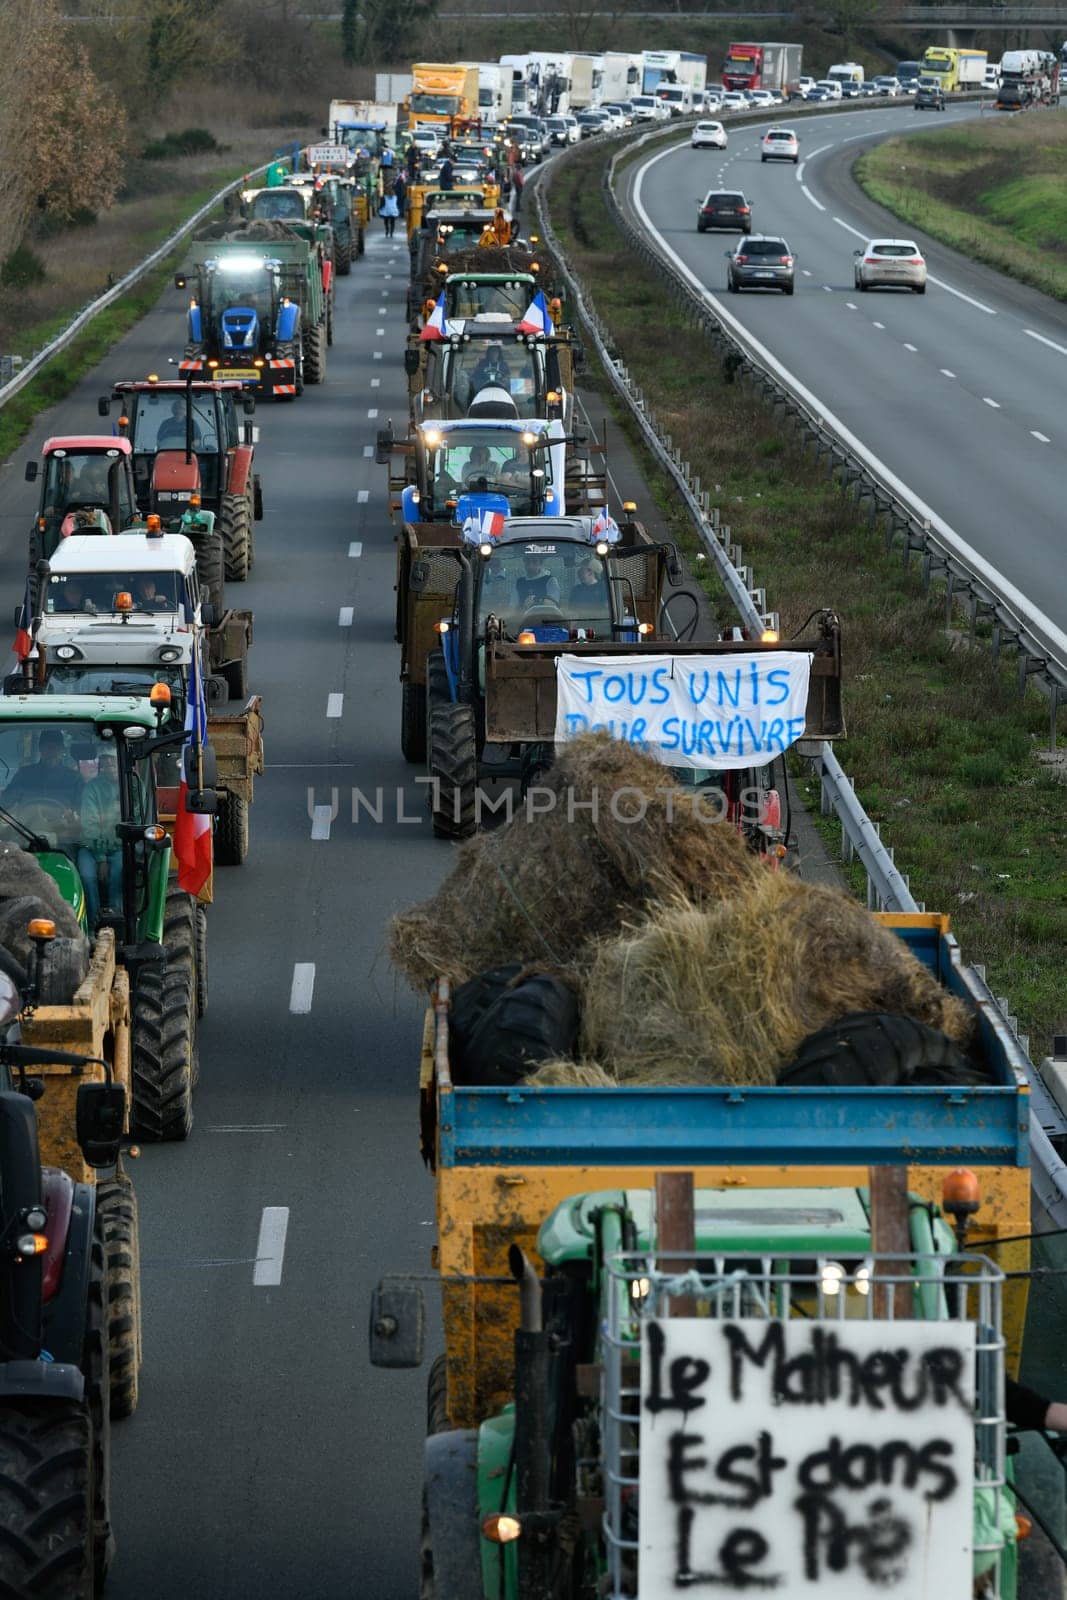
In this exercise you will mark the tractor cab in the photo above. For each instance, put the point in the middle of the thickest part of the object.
(468, 467)
(454, 228)
(487, 367)
(183, 435)
(474, 295)
(241, 295)
(86, 487)
(365, 140)
(287, 202)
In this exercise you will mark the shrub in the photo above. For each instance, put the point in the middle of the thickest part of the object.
(22, 269)
(190, 142)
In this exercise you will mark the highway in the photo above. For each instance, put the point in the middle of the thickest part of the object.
(959, 393)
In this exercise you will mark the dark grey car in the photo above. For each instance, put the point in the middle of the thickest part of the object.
(761, 263)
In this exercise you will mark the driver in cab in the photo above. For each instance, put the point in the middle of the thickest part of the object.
(47, 778)
(536, 584)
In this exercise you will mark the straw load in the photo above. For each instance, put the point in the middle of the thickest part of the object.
(617, 836)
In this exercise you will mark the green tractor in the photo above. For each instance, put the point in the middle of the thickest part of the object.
(79, 778)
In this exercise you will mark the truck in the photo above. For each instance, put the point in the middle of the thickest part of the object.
(114, 640)
(1027, 77)
(622, 75)
(594, 1243)
(956, 69)
(845, 72)
(494, 91)
(550, 75)
(778, 67)
(258, 313)
(390, 88)
(518, 66)
(587, 83)
(662, 67)
(443, 96)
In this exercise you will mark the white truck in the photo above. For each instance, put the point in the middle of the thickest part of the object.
(494, 91)
(845, 72)
(622, 76)
(392, 88)
(587, 82)
(519, 67)
(664, 68)
(120, 614)
(360, 112)
(550, 81)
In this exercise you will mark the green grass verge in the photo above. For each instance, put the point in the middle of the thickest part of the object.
(59, 376)
(941, 747)
(995, 190)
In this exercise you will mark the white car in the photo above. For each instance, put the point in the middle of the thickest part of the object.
(779, 144)
(574, 133)
(885, 84)
(734, 100)
(708, 135)
(804, 87)
(889, 263)
(761, 98)
(712, 103)
(613, 114)
(832, 87)
(646, 108)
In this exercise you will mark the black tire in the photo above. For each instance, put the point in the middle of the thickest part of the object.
(731, 286)
(701, 228)
(344, 259)
(329, 320)
(437, 690)
(920, 288)
(231, 829)
(47, 1535)
(235, 530)
(450, 1546)
(862, 287)
(452, 757)
(164, 1033)
(529, 1020)
(437, 1397)
(298, 351)
(96, 1370)
(315, 354)
(257, 507)
(236, 675)
(211, 568)
(116, 1205)
(362, 245)
(871, 1048)
(66, 963)
(787, 288)
(193, 352)
(202, 969)
(413, 720)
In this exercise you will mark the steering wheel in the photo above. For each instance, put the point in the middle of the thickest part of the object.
(51, 819)
(546, 611)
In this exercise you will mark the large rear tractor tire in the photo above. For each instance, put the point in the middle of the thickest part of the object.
(344, 259)
(47, 1536)
(200, 936)
(450, 1547)
(96, 1367)
(211, 568)
(231, 830)
(452, 757)
(413, 720)
(315, 354)
(235, 530)
(362, 245)
(116, 1205)
(165, 1064)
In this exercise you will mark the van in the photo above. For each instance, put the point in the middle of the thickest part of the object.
(846, 72)
(677, 97)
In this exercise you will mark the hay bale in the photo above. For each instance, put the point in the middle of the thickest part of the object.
(725, 994)
(544, 885)
(570, 1075)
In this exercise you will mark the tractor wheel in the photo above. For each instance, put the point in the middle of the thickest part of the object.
(329, 321)
(193, 352)
(235, 530)
(413, 721)
(236, 675)
(64, 970)
(298, 345)
(452, 757)
(165, 1065)
(231, 830)
(436, 678)
(35, 556)
(96, 1368)
(211, 569)
(344, 259)
(46, 1499)
(289, 350)
(116, 1206)
(437, 1397)
(257, 505)
(315, 354)
(450, 1546)
(200, 940)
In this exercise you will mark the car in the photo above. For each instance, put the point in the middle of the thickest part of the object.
(819, 93)
(804, 87)
(888, 263)
(426, 142)
(531, 131)
(867, 89)
(888, 85)
(761, 262)
(851, 90)
(734, 100)
(992, 75)
(929, 95)
(621, 111)
(833, 88)
(591, 122)
(779, 144)
(574, 133)
(646, 108)
(724, 208)
(613, 114)
(762, 98)
(558, 131)
(712, 103)
(708, 135)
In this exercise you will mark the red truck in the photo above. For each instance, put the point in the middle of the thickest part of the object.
(764, 66)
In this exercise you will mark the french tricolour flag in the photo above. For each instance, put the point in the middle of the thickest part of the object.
(23, 637)
(436, 326)
(605, 527)
(538, 318)
(492, 524)
(192, 833)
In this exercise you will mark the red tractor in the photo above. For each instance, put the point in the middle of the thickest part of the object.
(188, 438)
(86, 487)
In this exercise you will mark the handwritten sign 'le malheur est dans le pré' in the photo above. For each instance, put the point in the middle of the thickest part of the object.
(708, 712)
(807, 1459)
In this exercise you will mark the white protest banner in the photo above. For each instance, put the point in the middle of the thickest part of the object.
(707, 712)
(328, 155)
(807, 1459)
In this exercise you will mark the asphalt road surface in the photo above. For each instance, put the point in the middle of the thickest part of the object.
(960, 392)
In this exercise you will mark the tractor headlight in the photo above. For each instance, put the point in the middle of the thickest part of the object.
(170, 652)
(67, 652)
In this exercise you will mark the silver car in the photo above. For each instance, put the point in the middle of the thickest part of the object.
(761, 262)
(893, 262)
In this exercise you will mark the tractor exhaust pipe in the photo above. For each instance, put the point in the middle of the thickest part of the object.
(529, 1289)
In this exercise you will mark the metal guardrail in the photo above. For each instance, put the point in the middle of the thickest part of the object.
(34, 365)
(887, 886)
(906, 520)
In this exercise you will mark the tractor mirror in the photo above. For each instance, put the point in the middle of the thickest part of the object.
(207, 614)
(385, 446)
(31, 471)
(674, 566)
(103, 406)
(201, 802)
(397, 1324)
(411, 362)
(200, 768)
(100, 1118)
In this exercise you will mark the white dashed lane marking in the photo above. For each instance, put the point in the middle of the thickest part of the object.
(270, 1250)
(303, 987)
(335, 705)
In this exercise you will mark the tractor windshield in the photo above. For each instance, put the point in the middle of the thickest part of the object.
(466, 298)
(490, 461)
(159, 422)
(83, 678)
(249, 287)
(558, 581)
(96, 593)
(279, 205)
(515, 368)
(78, 481)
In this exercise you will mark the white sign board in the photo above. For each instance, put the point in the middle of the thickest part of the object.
(709, 712)
(328, 155)
(806, 1458)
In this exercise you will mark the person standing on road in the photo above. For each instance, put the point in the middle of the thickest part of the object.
(518, 183)
(400, 189)
(444, 177)
(411, 158)
(389, 211)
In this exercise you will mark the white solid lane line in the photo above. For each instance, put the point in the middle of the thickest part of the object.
(946, 373)
(303, 987)
(1040, 337)
(335, 705)
(850, 229)
(270, 1250)
(1055, 635)
(816, 203)
(994, 403)
(1044, 438)
(977, 304)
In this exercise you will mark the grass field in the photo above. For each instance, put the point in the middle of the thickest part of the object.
(941, 748)
(996, 190)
